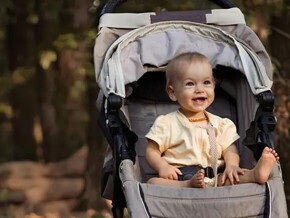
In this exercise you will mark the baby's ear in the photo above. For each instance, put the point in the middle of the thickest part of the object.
(170, 92)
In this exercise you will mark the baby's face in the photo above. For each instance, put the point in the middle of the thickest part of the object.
(194, 89)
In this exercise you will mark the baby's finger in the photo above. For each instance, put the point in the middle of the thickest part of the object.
(178, 171)
(241, 172)
(237, 178)
(230, 176)
(223, 179)
(175, 177)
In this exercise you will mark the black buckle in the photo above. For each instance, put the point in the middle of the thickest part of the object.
(208, 172)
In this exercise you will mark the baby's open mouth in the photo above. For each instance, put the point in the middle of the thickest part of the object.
(199, 99)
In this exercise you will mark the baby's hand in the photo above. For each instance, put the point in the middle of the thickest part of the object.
(169, 172)
(232, 173)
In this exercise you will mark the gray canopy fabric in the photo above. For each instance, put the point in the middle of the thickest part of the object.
(154, 45)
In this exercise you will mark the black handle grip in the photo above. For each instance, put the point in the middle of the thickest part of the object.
(111, 5)
(223, 3)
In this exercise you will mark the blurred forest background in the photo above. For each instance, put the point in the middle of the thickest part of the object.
(51, 148)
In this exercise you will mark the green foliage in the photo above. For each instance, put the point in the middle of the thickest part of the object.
(4, 193)
(67, 40)
(33, 19)
(91, 35)
(21, 75)
(47, 58)
(6, 110)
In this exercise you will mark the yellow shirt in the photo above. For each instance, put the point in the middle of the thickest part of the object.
(185, 143)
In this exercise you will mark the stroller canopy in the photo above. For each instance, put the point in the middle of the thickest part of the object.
(154, 45)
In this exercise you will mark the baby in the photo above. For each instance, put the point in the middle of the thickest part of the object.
(183, 143)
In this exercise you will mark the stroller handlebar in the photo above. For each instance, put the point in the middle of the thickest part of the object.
(111, 5)
(223, 3)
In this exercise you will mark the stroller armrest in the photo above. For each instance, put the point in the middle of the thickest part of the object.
(129, 172)
(276, 172)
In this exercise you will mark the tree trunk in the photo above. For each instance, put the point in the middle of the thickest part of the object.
(23, 97)
(46, 31)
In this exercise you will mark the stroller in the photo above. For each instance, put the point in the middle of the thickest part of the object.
(131, 54)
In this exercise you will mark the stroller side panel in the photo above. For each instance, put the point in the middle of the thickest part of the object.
(278, 206)
(105, 39)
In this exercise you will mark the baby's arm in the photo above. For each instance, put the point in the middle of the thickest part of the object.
(154, 159)
(232, 160)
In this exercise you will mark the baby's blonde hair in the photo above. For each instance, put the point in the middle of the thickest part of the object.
(178, 64)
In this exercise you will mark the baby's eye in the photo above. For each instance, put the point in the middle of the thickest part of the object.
(207, 82)
(189, 84)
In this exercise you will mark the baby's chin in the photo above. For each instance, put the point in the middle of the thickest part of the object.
(192, 111)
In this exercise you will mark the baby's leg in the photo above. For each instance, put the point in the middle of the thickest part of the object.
(196, 181)
(261, 172)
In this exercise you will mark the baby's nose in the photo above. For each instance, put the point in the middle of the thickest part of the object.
(199, 88)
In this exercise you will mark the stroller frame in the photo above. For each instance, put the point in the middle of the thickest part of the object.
(258, 136)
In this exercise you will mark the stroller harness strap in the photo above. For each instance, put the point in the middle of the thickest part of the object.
(213, 150)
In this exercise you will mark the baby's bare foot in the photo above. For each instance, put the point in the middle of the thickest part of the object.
(265, 165)
(197, 181)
